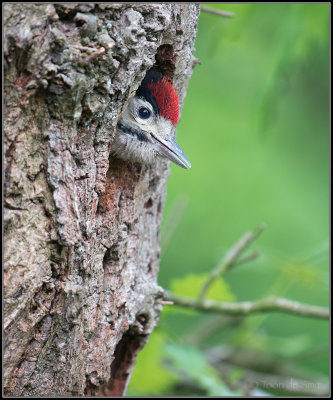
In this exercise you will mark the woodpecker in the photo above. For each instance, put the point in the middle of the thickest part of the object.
(146, 128)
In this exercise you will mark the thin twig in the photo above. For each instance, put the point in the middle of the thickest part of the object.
(246, 259)
(164, 302)
(220, 13)
(230, 259)
(243, 308)
(196, 61)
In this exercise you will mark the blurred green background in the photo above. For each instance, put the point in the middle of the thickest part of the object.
(255, 126)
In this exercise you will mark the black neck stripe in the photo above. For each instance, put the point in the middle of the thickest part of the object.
(141, 135)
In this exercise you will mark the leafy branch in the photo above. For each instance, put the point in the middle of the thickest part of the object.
(244, 308)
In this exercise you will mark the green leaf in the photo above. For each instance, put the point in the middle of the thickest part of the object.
(193, 364)
(191, 285)
(236, 375)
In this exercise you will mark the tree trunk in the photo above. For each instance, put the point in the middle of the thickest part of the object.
(81, 230)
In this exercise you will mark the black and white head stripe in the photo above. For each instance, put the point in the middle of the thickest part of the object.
(137, 132)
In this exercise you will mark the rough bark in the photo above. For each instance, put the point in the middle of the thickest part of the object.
(81, 229)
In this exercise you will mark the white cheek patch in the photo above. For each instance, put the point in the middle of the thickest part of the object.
(139, 151)
(128, 147)
(164, 128)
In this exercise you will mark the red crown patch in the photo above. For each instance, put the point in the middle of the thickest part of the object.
(166, 98)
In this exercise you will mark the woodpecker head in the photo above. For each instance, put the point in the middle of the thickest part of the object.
(146, 128)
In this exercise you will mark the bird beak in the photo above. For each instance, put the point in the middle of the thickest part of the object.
(170, 149)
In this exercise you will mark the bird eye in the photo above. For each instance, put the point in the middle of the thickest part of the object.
(144, 113)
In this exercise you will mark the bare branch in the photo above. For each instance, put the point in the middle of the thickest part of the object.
(230, 259)
(220, 13)
(244, 308)
(246, 259)
(196, 61)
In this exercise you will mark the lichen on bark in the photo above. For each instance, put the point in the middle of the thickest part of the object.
(81, 229)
